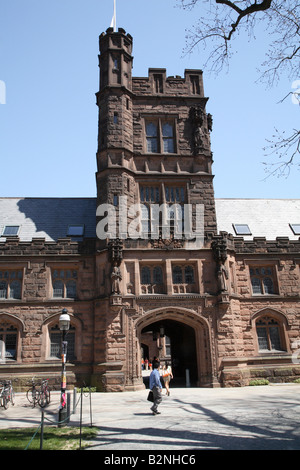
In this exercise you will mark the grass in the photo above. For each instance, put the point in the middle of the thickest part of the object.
(64, 438)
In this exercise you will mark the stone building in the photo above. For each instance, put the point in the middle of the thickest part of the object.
(220, 304)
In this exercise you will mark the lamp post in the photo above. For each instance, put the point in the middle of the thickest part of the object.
(64, 325)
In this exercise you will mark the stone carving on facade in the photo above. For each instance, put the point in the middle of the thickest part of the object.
(116, 278)
(219, 248)
(209, 122)
(116, 250)
(222, 275)
(168, 244)
(197, 118)
(116, 256)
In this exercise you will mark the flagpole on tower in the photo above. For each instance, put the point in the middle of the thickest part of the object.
(113, 23)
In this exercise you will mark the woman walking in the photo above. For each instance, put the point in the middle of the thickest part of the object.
(167, 376)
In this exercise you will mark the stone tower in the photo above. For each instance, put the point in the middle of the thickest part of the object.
(154, 150)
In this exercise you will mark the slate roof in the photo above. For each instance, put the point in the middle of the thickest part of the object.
(269, 218)
(49, 218)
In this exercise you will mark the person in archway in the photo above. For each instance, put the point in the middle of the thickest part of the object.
(167, 376)
(156, 387)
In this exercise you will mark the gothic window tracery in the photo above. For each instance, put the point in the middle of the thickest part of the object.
(8, 341)
(56, 339)
(183, 278)
(64, 283)
(11, 284)
(269, 334)
(262, 280)
(151, 278)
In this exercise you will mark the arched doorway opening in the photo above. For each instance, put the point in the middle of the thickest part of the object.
(173, 342)
(144, 351)
(185, 336)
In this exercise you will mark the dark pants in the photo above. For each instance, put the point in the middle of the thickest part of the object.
(157, 398)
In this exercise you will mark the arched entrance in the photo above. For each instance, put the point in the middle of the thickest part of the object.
(174, 343)
(180, 337)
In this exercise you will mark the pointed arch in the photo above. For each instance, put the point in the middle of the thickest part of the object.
(19, 331)
(269, 327)
(201, 332)
(49, 323)
(278, 314)
(4, 316)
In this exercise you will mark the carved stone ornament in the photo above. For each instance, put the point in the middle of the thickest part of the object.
(116, 250)
(169, 243)
(197, 118)
(116, 278)
(219, 248)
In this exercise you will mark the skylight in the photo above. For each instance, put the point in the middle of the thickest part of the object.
(10, 230)
(295, 228)
(241, 229)
(75, 231)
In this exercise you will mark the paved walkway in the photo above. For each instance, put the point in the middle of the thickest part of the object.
(248, 418)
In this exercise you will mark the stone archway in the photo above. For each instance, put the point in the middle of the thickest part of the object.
(190, 336)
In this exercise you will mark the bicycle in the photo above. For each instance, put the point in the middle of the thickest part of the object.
(7, 394)
(33, 393)
(44, 397)
(3, 397)
(40, 395)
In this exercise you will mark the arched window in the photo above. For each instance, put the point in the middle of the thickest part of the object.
(56, 339)
(269, 334)
(8, 341)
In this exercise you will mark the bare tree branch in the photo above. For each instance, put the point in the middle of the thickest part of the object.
(217, 27)
(283, 146)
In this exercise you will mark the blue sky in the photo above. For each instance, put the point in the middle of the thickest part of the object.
(48, 125)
